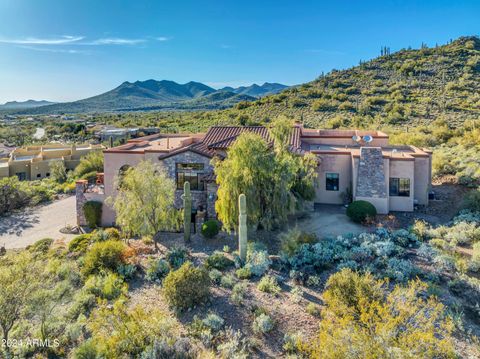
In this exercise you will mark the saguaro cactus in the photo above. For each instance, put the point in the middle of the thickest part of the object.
(187, 211)
(242, 227)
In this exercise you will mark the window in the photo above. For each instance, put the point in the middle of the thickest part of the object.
(39, 175)
(331, 181)
(400, 187)
(192, 173)
(22, 176)
(48, 174)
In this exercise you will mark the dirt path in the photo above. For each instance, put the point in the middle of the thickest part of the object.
(25, 227)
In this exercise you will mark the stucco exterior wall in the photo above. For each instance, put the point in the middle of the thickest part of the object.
(402, 169)
(422, 179)
(342, 141)
(340, 164)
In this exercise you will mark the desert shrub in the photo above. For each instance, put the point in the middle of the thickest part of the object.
(156, 269)
(405, 322)
(313, 309)
(213, 321)
(401, 270)
(296, 294)
(420, 229)
(127, 271)
(93, 213)
(215, 276)
(176, 256)
(41, 246)
(404, 238)
(86, 350)
(292, 240)
(228, 281)
(472, 200)
(210, 228)
(269, 284)
(79, 243)
(101, 256)
(238, 293)
(121, 331)
(187, 286)
(258, 262)
(148, 240)
(359, 211)
(109, 286)
(243, 273)
(347, 291)
(112, 233)
(474, 264)
(218, 261)
(313, 281)
(262, 324)
(180, 348)
(236, 345)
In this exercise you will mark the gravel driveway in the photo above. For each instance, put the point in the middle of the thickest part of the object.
(25, 227)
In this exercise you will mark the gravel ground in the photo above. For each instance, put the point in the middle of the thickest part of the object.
(25, 227)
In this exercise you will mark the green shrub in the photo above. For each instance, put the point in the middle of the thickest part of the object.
(103, 256)
(313, 309)
(215, 276)
(186, 286)
(262, 324)
(472, 200)
(156, 270)
(244, 273)
(79, 243)
(41, 246)
(346, 292)
(210, 228)
(293, 239)
(112, 233)
(93, 213)
(238, 293)
(228, 281)
(176, 256)
(359, 211)
(218, 261)
(269, 284)
(109, 286)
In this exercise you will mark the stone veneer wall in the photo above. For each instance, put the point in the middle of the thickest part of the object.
(371, 174)
(199, 198)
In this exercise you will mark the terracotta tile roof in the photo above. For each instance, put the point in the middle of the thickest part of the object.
(221, 137)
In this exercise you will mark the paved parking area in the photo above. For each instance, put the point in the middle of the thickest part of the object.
(328, 221)
(23, 228)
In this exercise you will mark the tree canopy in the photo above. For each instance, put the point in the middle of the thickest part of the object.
(272, 179)
(144, 203)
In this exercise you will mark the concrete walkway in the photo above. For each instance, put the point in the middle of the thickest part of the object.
(330, 220)
(25, 227)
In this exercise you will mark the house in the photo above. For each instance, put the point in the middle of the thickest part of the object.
(33, 162)
(352, 163)
(355, 164)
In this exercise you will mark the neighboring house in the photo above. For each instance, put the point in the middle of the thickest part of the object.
(33, 162)
(360, 163)
(5, 150)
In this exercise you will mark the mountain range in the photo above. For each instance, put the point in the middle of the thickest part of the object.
(21, 105)
(159, 95)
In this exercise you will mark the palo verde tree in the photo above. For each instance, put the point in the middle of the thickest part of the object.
(145, 201)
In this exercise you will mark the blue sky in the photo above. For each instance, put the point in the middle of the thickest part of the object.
(64, 50)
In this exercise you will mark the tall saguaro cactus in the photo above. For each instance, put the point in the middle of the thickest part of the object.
(187, 211)
(242, 227)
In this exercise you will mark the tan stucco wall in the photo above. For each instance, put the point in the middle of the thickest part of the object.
(340, 164)
(402, 169)
(112, 164)
(342, 141)
(423, 179)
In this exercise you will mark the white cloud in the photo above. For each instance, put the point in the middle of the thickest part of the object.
(62, 40)
(46, 49)
(163, 38)
(115, 41)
